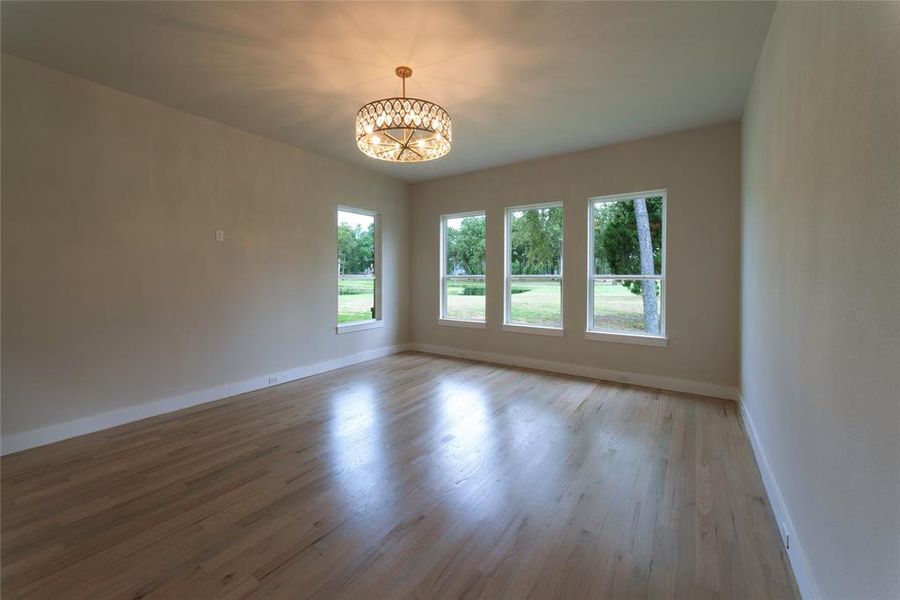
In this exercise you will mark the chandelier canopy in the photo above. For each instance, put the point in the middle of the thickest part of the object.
(403, 129)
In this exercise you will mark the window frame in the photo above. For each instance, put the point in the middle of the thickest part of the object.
(599, 335)
(443, 277)
(508, 277)
(377, 322)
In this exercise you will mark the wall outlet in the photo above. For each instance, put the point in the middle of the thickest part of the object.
(273, 380)
(220, 235)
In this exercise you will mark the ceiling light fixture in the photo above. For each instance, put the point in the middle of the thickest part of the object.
(403, 129)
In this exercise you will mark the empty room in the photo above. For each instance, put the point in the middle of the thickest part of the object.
(445, 300)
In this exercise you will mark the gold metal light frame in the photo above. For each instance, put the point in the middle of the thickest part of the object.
(403, 129)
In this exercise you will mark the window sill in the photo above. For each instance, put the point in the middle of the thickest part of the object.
(626, 338)
(359, 326)
(463, 323)
(535, 329)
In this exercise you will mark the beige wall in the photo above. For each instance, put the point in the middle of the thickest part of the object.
(700, 170)
(821, 285)
(115, 292)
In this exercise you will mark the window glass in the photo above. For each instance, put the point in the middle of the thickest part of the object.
(463, 286)
(626, 281)
(534, 266)
(356, 267)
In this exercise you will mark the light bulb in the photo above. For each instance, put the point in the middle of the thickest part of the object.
(376, 139)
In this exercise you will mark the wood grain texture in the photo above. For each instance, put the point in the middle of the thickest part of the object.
(411, 476)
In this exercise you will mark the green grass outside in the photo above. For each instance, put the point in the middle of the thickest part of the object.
(462, 306)
(356, 297)
(615, 307)
(539, 305)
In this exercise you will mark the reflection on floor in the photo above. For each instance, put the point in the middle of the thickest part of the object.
(411, 476)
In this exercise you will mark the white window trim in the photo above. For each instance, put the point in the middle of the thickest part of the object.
(470, 324)
(533, 329)
(370, 323)
(443, 319)
(600, 335)
(509, 278)
(359, 326)
(627, 338)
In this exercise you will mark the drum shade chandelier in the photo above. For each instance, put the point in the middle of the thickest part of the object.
(403, 129)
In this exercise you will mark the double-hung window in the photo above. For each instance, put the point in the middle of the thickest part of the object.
(626, 268)
(534, 269)
(462, 270)
(358, 269)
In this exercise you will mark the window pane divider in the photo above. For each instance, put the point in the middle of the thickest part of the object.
(627, 277)
(557, 278)
(464, 277)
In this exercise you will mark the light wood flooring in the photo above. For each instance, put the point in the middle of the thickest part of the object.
(412, 476)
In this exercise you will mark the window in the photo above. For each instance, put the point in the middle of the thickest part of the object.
(626, 268)
(359, 283)
(462, 270)
(534, 245)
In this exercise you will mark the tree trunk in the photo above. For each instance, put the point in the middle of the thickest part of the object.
(648, 287)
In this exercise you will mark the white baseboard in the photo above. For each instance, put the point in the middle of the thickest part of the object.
(653, 381)
(24, 440)
(799, 562)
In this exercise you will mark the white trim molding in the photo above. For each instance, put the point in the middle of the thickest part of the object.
(672, 384)
(535, 329)
(799, 561)
(42, 436)
(359, 326)
(463, 323)
(626, 338)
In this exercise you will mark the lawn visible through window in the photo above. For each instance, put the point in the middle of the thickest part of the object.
(462, 277)
(618, 309)
(626, 281)
(356, 267)
(534, 242)
(535, 303)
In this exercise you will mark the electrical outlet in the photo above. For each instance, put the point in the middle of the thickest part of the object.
(220, 235)
(273, 380)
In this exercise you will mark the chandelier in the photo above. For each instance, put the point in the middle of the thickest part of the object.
(403, 129)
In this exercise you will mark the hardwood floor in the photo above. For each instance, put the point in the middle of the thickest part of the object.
(411, 476)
